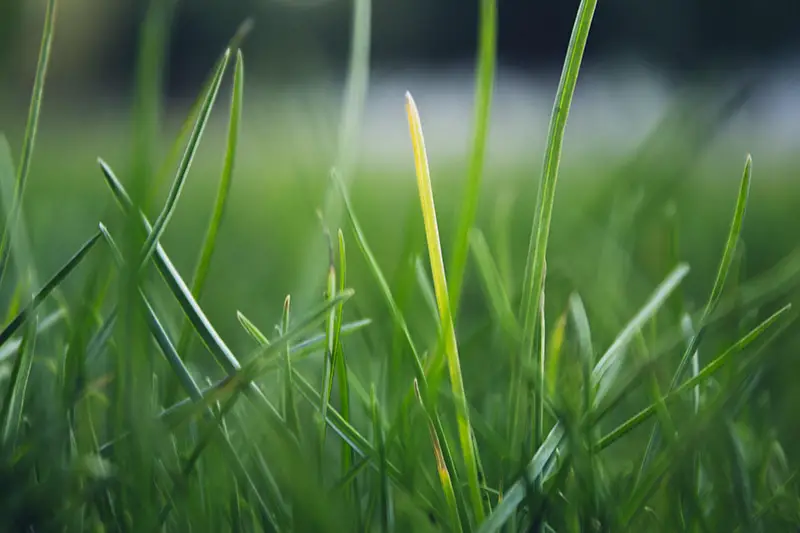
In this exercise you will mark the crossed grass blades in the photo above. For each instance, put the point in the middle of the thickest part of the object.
(106, 425)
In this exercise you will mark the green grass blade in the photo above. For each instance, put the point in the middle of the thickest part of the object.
(31, 129)
(385, 506)
(445, 479)
(251, 329)
(14, 401)
(713, 299)
(600, 376)
(537, 249)
(709, 370)
(173, 157)
(493, 285)
(47, 289)
(213, 342)
(340, 366)
(209, 243)
(12, 347)
(484, 81)
(186, 162)
(610, 363)
(533, 283)
(469, 452)
(724, 267)
(289, 405)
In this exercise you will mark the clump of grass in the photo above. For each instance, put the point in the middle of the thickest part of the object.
(106, 425)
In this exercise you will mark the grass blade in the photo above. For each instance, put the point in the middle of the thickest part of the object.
(48, 288)
(533, 284)
(709, 370)
(186, 162)
(209, 243)
(13, 404)
(713, 299)
(444, 475)
(31, 129)
(484, 78)
(174, 154)
(289, 406)
(493, 285)
(443, 300)
(385, 506)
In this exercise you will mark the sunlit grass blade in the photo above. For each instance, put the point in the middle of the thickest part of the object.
(37, 95)
(332, 341)
(186, 162)
(12, 327)
(484, 87)
(12, 346)
(470, 454)
(709, 370)
(713, 299)
(493, 285)
(210, 241)
(444, 475)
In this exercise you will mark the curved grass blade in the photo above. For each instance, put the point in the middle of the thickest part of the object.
(484, 81)
(533, 283)
(174, 154)
(713, 299)
(186, 162)
(443, 301)
(31, 128)
(209, 243)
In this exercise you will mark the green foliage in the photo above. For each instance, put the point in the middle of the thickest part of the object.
(575, 413)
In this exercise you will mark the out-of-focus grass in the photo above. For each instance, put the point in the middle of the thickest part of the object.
(576, 415)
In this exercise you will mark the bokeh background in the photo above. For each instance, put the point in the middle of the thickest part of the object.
(672, 97)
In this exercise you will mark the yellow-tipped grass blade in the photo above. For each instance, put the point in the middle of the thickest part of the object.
(443, 303)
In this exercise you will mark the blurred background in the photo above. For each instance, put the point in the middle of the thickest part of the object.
(672, 97)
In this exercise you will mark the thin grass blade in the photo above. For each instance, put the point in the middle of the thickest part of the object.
(31, 128)
(210, 241)
(469, 452)
(484, 82)
(186, 162)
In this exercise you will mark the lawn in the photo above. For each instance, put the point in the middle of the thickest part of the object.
(624, 364)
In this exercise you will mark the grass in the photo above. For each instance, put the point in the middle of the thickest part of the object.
(590, 393)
